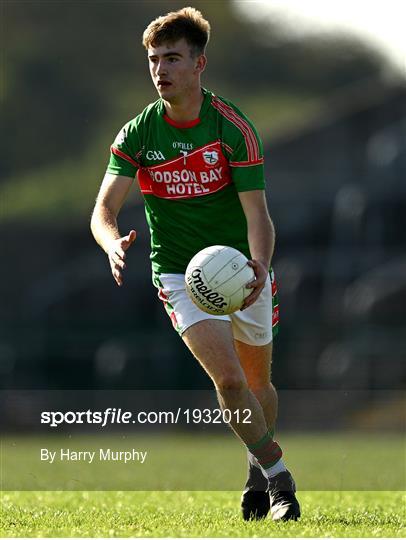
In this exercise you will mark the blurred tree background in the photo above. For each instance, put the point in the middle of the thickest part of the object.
(72, 73)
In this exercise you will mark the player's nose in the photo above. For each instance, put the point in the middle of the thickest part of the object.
(160, 68)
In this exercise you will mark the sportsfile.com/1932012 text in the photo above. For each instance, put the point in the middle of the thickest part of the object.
(113, 415)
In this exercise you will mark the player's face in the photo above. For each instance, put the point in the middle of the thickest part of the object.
(174, 71)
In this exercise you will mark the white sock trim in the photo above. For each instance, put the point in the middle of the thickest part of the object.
(252, 459)
(275, 469)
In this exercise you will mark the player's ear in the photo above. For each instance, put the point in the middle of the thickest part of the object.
(201, 62)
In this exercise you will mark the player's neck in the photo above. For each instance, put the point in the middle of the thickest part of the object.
(186, 109)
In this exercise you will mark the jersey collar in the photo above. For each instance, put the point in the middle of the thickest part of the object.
(191, 123)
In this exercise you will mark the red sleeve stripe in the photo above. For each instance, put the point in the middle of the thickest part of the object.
(228, 148)
(246, 163)
(247, 130)
(121, 154)
(248, 133)
(242, 125)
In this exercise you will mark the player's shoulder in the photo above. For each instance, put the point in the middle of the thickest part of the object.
(229, 110)
(133, 129)
(146, 115)
(235, 123)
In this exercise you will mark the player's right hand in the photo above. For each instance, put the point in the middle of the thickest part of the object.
(116, 254)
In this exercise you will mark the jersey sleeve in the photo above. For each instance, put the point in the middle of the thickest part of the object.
(244, 148)
(124, 152)
(247, 160)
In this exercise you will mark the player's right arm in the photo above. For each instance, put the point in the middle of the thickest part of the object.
(112, 194)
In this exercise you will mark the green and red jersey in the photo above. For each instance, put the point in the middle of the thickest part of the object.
(190, 175)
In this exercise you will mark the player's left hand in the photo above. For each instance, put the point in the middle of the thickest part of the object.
(261, 274)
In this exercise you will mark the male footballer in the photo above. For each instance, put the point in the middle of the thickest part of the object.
(200, 167)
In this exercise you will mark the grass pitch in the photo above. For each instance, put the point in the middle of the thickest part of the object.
(196, 514)
(344, 461)
(338, 475)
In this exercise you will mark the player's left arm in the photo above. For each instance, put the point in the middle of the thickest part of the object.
(261, 239)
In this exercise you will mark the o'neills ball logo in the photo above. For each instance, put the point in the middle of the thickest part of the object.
(203, 294)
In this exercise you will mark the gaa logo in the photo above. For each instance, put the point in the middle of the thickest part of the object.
(155, 155)
(211, 157)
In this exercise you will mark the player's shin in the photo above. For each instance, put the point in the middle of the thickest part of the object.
(267, 452)
(257, 474)
(236, 401)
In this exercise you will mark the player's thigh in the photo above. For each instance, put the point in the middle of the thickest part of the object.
(256, 362)
(212, 343)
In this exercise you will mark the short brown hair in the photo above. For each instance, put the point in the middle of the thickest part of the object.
(187, 23)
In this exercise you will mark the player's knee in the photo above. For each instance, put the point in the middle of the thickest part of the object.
(260, 386)
(264, 392)
(230, 382)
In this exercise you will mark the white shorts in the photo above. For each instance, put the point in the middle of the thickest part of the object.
(255, 325)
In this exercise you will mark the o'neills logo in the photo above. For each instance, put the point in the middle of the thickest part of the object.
(202, 292)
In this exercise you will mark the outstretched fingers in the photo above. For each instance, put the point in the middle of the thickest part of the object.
(117, 255)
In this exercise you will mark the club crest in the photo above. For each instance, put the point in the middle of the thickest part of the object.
(211, 157)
